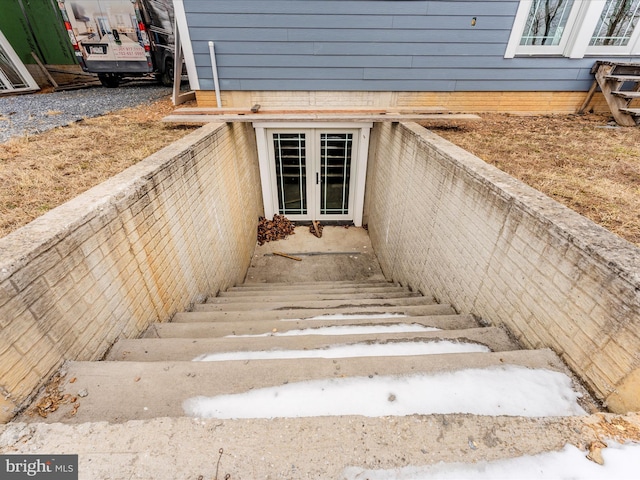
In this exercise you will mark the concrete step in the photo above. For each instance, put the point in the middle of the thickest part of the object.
(410, 310)
(296, 448)
(121, 391)
(326, 285)
(303, 297)
(314, 291)
(293, 304)
(165, 349)
(257, 327)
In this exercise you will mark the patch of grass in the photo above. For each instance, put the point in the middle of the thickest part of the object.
(580, 161)
(42, 171)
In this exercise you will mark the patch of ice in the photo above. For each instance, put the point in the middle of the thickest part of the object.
(391, 349)
(347, 330)
(504, 390)
(621, 461)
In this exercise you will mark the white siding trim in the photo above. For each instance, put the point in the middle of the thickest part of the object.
(518, 28)
(187, 47)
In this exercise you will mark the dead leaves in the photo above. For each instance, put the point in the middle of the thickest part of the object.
(53, 399)
(277, 229)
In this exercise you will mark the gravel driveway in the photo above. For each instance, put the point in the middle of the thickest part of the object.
(35, 113)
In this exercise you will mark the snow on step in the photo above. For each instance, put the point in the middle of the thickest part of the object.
(263, 327)
(378, 349)
(500, 390)
(163, 349)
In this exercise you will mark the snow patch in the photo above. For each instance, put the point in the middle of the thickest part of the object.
(504, 390)
(391, 349)
(346, 330)
(621, 461)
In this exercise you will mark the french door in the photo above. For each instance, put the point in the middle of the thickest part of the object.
(312, 172)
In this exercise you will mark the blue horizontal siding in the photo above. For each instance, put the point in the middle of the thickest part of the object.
(374, 45)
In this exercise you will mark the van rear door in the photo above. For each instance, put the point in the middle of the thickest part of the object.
(110, 35)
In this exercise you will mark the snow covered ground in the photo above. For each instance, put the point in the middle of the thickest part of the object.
(621, 462)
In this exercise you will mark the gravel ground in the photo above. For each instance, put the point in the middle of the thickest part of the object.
(35, 113)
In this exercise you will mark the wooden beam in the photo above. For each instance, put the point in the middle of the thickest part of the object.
(308, 110)
(320, 117)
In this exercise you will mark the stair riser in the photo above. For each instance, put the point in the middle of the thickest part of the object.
(312, 304)
(310, 286)
(410, 310)
(221, 329)
(173, 349)
(305, 297)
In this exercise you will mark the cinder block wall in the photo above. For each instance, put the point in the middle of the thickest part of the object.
(174, 228)
(443, 221)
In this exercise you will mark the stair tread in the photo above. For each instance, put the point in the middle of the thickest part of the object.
(307, 286)
(319, 291)
(122, 391)
(434, 309)
(626, 94)
(298, 447)
(623, 77)
(311, 304)
(247, 327)
(311, 297)
(164, 349)
(632, 111)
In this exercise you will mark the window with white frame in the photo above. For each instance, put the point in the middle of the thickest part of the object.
(575, 28)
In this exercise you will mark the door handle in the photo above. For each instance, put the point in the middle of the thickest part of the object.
(317, 178)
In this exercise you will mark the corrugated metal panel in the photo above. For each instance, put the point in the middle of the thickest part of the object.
(369, 45)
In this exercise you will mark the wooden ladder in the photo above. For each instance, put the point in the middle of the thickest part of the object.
(620, 85)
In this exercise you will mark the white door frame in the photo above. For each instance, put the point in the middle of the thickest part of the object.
(359, 171)
(20, 69)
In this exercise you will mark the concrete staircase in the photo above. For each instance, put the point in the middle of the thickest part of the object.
(157, 373)
(141, 387)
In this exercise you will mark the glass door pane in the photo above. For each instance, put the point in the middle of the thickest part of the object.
(291, 172)
(335, 172)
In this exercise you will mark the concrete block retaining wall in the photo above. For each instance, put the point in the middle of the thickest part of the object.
(443, 221)
(172, 229)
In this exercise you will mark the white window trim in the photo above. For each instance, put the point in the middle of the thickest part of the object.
(575, 42)
(360, 168)
(19, 67)
(187, 46)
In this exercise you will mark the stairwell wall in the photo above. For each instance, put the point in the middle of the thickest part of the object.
(444, 222)
(167, 232)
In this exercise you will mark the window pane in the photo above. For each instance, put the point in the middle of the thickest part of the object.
(335, 172)
(546, 22)
(617, 22)
(291, 172)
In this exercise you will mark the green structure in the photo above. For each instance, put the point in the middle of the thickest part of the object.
(37, 26)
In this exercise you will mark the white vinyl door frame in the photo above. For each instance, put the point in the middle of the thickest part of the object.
(359, 168)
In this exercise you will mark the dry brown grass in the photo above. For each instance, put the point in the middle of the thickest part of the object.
(580, 161)
(577, 160)
(40, 172)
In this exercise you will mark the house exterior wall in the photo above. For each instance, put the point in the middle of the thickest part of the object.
(446, 223)
(371, 46)
(167, 232)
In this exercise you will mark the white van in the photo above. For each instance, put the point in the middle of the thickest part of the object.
(112, 37)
